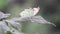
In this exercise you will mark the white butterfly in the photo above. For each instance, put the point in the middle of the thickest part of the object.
(30, 14)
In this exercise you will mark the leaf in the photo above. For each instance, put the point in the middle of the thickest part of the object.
(8, 32)
(13, 24)
(2, 15)
(41, 20)
(38, 19)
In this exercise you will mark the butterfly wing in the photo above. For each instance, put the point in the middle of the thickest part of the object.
(26, 13)
(36, 10)
(29, 12)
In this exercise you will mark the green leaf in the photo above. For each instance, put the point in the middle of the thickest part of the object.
(8, 32)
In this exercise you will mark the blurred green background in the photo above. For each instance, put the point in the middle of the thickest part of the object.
(50, 10)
